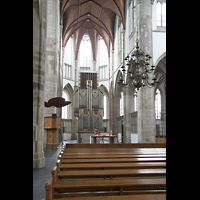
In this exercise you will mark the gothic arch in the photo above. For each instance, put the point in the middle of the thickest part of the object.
(106, 93)
(68, 89)
(105, 89)
(160, 69)
(118, 87)
(160, 58)
(160, 72)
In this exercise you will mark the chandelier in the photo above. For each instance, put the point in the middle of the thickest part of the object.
(139, 69)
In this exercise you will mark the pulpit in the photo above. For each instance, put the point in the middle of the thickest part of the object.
(52, 123)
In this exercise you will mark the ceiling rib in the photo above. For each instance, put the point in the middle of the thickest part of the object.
(101, 20)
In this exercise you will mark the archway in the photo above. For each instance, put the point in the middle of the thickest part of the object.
(160, 72)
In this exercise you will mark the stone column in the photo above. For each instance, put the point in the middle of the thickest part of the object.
(111, 102)
(52, 84)
(94, 65)
(39, 55)
(76, 69)
(146, 105)
(128, 105)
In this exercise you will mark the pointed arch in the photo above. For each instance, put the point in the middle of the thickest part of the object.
(106, 102)
(118, 87)
(67, 93)
(159, 59)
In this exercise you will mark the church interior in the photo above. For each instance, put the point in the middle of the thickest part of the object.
(99, 91)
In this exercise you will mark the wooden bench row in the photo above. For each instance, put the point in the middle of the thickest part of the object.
(103, 166)
(113, 160)
(111, 173)
(102, 173)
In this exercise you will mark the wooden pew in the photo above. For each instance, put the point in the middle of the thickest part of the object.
(103, 166)
(136, 148)
(127, 186)
(81, 172)
(113, 160)
(111, 173)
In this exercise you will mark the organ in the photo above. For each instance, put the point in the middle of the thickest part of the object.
(89, 103)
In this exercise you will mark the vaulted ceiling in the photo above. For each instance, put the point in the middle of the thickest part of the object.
(92, 17)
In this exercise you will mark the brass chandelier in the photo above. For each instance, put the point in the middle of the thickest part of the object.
(139, 69)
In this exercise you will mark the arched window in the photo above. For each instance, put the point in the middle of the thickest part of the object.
(158, 104)
(161, 13)
(105, 107)
(68, 59)
(120, 43)
(85, 52)
(68, 52)
(65, 109)
(122, 104)
(103, 52)
(135, 102)
(103, 58)
(132, 16)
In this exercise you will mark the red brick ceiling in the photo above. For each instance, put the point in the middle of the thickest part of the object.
(92, 17)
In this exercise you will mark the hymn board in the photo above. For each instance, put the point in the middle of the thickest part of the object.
(89, 103)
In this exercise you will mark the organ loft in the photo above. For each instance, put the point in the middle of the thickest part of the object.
(88, 103)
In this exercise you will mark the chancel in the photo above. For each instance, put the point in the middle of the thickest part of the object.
(108, 58)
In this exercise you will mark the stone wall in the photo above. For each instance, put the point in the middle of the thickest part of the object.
(39, 56)
(53, 71)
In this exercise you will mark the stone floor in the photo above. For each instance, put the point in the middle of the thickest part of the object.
(40, 176)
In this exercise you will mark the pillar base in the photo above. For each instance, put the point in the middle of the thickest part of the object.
(38, 160)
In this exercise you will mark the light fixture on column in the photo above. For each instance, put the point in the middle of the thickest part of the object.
(139, 69)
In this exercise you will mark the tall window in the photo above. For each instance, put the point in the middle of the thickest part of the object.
(85, 51)
(161, 13)
(103, 52)
(122, 104)
(68, 52)
(135, 103)
(158, 104)
(103, 58)
(68, 59)
(65, 109)
(132, 16)
(105, 107)
(120, 43)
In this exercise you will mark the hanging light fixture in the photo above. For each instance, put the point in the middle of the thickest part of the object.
(139, 69)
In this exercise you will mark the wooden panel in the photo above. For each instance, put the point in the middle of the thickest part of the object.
(58, 122)
(160, 140)
(49, 136)
(47, 123)
(51, 139)
(51, 122)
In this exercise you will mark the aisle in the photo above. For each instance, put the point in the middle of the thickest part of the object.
(40, 176)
